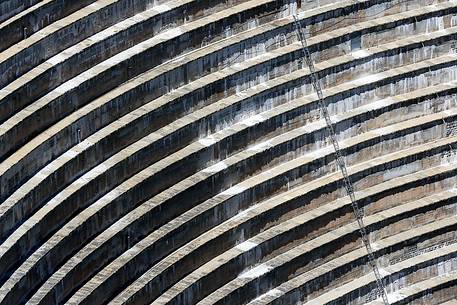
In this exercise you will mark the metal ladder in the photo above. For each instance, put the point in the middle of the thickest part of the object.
(340, 162)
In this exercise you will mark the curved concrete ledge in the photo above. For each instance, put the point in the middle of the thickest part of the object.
(295, 288)
(284, 138)
(266, 211)
(9, 8)
(51, 188)
(67, 31)
(284, 168)
(401, 269)
(81, 219)
(299, 255)
(203, 174)
(107, 75)
(82, 126)
(34, 18)
(424, 288)
(122, 110)
(48, 223)
(329, 270)
(97, 48)
(186, 73)
(51, 216)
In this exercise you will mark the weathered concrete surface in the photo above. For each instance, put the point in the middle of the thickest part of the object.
(172, 152)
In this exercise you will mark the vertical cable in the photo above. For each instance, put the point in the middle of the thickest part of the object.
(340, 162)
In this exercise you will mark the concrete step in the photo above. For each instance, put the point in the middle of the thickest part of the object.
(54, 203)
(117, 126)
(94, 49)
(71, 138)
(57, 36)
(272, 266)
(35, 15)
(254, 180)
(282, 138)
(204, 174)
(13, 7)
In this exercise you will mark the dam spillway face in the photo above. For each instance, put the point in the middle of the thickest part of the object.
(175, 152)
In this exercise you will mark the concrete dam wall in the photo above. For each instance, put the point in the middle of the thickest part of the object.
(174, 152)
